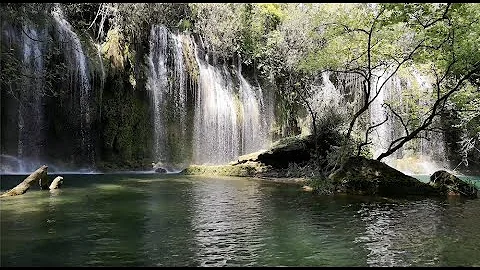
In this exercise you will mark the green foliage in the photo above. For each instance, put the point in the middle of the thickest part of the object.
(135, 19)
(249, 30)
(219, 25)
(321, 185)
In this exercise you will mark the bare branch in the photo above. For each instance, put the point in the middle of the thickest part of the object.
(444, 16)
(369, 130)
(399, 117)
(433, 112)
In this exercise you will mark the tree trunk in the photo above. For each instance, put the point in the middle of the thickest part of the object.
(38, 176)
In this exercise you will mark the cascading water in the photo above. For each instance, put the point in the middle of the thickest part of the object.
(80, 83)
(325, 96)
(217, 133)
(168, 83)
(350, 96)
(25, 123)
(230, 120)
(226, 112)
(102, 79)
(421, 156)
(254, 122)
(158, 84)
(31, 120)
(382, 136)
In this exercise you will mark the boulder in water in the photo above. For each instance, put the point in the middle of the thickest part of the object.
(56, 183)
(295, 149)
(362, 176)
(451, 185)
(160, 170)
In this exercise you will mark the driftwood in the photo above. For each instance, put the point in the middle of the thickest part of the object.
(38, 176)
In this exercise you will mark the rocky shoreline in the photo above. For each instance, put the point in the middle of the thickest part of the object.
(357, 175)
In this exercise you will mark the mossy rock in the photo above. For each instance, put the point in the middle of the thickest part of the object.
(294, 149)
(362, 176)
(449, 184)
(246, 169)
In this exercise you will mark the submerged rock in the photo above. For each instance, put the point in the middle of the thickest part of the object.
(449, 184)
(160, 170)
(363, 176)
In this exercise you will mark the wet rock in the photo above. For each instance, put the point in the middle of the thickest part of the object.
(450, 185)
(56, 183)
(160, 170)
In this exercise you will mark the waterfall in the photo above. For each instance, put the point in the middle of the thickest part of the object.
(325, 97)
(231, 118)
(102, 79)
(254, 125)
(80, 83)
(157, 83)
(217, 132)
(31, 117)
(210, 117)
(168, 83)
(419, 156)
(382, 136)
(344, 94)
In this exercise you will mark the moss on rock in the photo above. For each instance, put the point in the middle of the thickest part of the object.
(362, 176)
(449, 184)
(251, 169)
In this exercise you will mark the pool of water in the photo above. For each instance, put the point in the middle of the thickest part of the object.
(173, 220)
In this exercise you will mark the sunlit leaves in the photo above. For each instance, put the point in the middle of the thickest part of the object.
(219, 25)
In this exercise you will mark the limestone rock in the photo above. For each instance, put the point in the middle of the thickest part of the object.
(56, 183)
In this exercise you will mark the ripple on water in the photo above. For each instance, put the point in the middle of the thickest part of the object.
(122, 221)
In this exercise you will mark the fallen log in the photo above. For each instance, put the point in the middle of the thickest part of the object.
(39, 176)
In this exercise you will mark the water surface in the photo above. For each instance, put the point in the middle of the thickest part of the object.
(172, 220)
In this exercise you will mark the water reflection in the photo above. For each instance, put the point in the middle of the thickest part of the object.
(408, 233)
(167, 231)
(227, 220)
(182, 221)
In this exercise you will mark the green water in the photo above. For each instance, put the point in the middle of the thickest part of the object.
(170, 220)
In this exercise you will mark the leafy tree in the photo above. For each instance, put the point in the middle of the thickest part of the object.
(377, 40)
